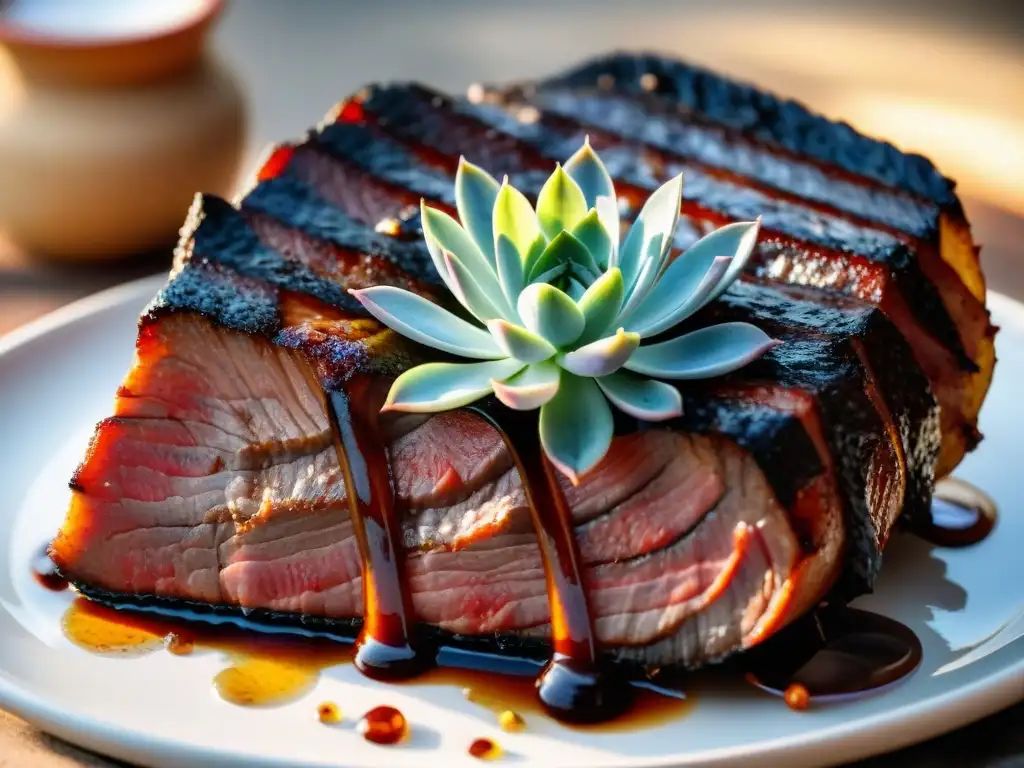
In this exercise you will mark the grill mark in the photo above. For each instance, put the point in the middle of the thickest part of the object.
(763, 117)
(677, 136)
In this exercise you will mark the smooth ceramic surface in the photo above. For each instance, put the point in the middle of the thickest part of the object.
(57, 378)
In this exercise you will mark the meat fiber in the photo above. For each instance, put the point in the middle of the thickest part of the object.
(215, 483)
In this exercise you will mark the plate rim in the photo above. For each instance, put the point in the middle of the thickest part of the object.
(959, 706)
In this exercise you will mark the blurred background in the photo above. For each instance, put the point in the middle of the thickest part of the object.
(944, 78)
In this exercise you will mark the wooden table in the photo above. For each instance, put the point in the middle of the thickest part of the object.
(297, 59)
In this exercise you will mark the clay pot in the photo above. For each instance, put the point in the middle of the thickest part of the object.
(106, 136)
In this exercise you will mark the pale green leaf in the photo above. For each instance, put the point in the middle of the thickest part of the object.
(650, 269)
(510, 269)
(640, 397)
(608, 212)
(712, 351)
(737, 240)
(514, 218)
(576, 426)
(520, 343)
(601, 357)
(680, 292)
(420, 320)
(549, 312)
(591, 232)
(563, 249)
(475, 192)
(530, 388)
(560, 204)
(437, 387)
(587, 170)
(658, 217)
(469, 293)
(600, 304)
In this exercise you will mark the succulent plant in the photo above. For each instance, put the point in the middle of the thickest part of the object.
(563, 308)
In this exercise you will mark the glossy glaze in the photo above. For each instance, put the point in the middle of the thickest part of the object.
(961, 515)
(385, 648)
(574, 686)
(834, 653)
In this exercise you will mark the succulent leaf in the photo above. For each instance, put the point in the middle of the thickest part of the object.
(576, 426)
(736, 240)
(563, 249)
(680, 292)
(560, 204)
(420, 320)
(601, 357)
(659, 216)
(712, 351)
(640, 397)
(510, 269)
(591, 232)
(520, 343)
(515, 219)
(470, 293)
(549, 312)
(590, 173)
(600, 304)
(530, 388)
(651, 266)
(608, 212)
(475, 192)
(449, 235)
(552, 274)
(575, 289)
(434, 387)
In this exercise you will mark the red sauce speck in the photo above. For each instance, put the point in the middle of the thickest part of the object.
(797, 697)
(328, 713)
(484, 749)
(383, 725)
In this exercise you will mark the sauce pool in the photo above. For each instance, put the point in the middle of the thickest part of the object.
(961, 515)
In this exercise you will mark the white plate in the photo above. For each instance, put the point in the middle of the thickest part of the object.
(57, 377)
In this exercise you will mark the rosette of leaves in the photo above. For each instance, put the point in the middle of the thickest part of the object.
(559, 309)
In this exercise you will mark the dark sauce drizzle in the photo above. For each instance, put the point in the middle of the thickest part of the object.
(573, 686)
(45, 572)
(386, 648)
(834, 653)
(961, 515)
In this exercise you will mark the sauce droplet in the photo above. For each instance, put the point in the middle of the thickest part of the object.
(961, 515)
(179, 644)
(834, 653)
(485, 749)
(45, 572)
(511, 721)
(797, 697)
(261, 682)
(328, 713)
(383, 725)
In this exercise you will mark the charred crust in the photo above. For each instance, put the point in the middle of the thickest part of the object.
(297, 205)
(766, 117)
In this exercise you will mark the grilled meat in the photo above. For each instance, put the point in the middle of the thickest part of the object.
(216, 481)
